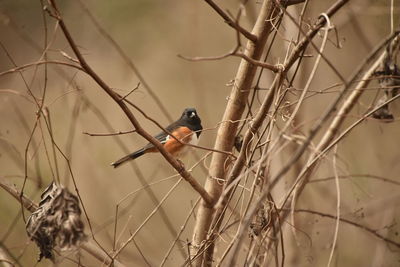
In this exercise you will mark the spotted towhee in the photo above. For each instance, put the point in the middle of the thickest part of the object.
(187, 129)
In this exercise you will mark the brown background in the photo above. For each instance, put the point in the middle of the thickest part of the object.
(153, 33)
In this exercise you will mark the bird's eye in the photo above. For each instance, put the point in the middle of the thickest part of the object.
(193, 114)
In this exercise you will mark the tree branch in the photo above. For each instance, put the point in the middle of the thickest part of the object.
(300, 181)
(231, 22)
(302, 45)
(227, 131)
(174, 163)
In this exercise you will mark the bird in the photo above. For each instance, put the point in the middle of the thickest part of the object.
(187, 129)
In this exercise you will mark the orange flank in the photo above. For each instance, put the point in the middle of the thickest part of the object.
(173, 146)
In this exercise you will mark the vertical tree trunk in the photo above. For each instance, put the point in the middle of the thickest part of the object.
(227, 130)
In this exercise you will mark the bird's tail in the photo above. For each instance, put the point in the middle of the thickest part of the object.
(129, 157)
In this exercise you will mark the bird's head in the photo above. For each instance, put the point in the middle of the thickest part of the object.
(190, 115)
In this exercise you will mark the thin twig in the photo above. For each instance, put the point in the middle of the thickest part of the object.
(131, 91)
(11, 91)
(141, 253)
(338, 199)
(110, 134)
(137, 171)
(183, 226)
(132, 236)
(230, 22)
(358, 225)
(234, 52)
(127, 60)
(368, 176)
(33, 64)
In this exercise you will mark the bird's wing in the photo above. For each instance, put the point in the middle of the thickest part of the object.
(161, 137)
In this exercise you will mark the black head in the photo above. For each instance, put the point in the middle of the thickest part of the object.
(190, 117)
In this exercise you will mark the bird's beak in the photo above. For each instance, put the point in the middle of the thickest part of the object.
(193, 114)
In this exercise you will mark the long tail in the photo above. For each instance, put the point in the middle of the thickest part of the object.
(129, 157)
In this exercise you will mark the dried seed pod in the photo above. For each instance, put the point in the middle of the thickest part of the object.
(238, 142)
(390, 83)
(56, 224)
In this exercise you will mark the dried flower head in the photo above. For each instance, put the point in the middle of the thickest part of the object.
(261, 221)
(56, 223)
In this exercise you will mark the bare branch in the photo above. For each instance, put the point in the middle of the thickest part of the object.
(252, 37)
(174, 163)
(367, 176)
(234, 52)
(110, 134)
(131, 91)
(33, 64)
(302, 45)
(227, 131)
(357, 225)
(312, 159)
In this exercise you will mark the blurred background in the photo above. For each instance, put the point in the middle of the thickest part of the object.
(152, 34)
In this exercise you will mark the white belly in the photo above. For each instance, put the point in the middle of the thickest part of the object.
(193, 141)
